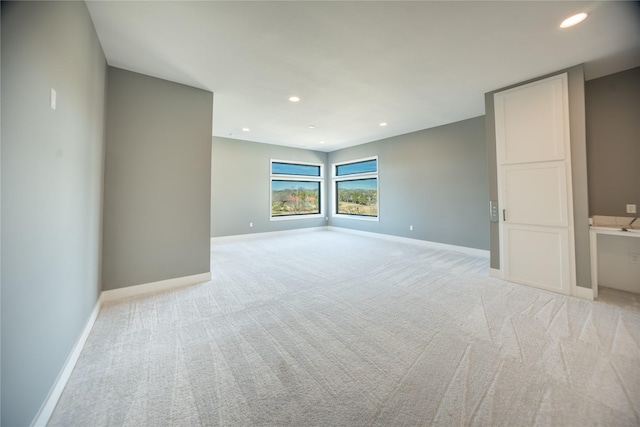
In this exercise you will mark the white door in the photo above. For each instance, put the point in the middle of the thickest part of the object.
(534, 185)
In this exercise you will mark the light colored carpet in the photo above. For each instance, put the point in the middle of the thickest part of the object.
(331, 329)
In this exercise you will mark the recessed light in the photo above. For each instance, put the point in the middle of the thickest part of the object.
(321, 142)
(573, 20)
(294, 98)
(383, 124)
(246, 129)
(312, 127)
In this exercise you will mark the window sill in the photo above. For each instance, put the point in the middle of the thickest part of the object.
(290, 217)
(357, 217)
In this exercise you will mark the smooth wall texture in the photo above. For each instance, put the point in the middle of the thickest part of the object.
(613, 143)
(52, 168)
(157, 180)
(435, 180)
(578, 171)
(240, 187)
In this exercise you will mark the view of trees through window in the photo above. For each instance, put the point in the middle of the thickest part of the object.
(356, 188)
(296, 189)
(294, 198)
(357, 197)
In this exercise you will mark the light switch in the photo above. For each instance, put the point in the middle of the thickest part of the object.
(493, 210)
(53, 99)
(631, 208)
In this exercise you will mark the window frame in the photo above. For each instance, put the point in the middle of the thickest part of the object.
(296, 178)
(335, 179)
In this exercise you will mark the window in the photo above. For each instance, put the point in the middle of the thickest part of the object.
(355, 188)
(296, 190)
(357, 167)
(281, 168)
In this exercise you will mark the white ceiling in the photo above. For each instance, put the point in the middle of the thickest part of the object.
(414, 65)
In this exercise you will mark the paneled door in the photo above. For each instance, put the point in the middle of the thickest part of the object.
(534, 185)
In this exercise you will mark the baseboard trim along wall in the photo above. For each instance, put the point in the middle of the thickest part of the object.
(130, 291)
(251, 236)
(45, 412)
(578, 292)
(114, 294)
(42, 418)
(585, 293)
(425, 243)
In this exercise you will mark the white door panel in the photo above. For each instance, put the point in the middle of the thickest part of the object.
(538, 257)
(535, 193)
(534, 185)
(529, 123)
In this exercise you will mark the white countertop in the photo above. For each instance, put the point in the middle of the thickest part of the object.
(632, 232)
(614, 225)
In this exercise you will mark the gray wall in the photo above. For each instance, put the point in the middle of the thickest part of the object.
(157, 180)
(52, 165)
(240, 187)
(613, 142)
(578, 171)
(435, 180)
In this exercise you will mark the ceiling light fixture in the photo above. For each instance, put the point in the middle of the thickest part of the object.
(294, 98)
(573, 20)
(246, 129)
(312, 127)
(383, 124)
(321, 142)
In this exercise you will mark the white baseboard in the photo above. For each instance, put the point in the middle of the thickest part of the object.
(130, 291)
(252, 236)
(585, 293)
(42, 418)
(425, 243)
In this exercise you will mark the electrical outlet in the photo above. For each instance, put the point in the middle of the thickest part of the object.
(631, 208)
(411, 228)
(634, 258)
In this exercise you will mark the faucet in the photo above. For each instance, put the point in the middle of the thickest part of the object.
(629, 225)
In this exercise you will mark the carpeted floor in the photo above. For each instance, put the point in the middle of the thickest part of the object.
(332, 329)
